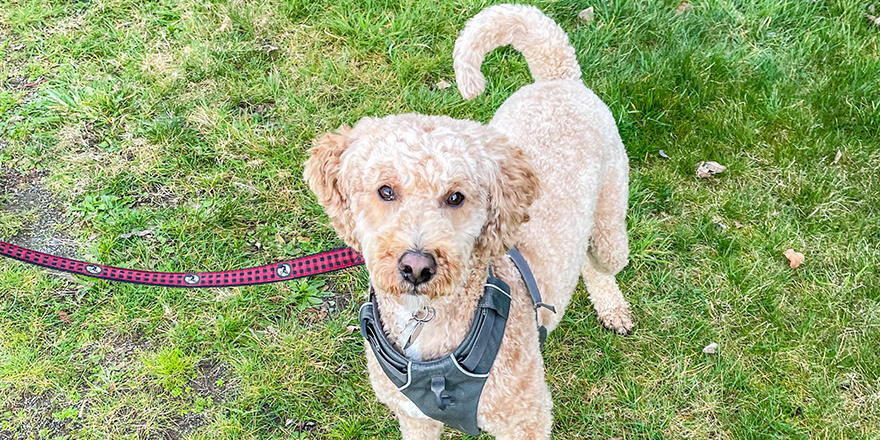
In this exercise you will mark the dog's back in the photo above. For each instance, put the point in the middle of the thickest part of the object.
(577, 226)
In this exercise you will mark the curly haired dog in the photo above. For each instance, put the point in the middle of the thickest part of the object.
(431, 202)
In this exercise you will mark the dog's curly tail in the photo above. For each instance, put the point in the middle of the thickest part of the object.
(543, 43)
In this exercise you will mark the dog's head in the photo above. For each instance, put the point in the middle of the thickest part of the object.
(423, 198)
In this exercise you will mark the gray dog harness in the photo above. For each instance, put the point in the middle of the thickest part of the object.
(448, 389)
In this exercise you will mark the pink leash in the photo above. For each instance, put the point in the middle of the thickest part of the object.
(322, 262)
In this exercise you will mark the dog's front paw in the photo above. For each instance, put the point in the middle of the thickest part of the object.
(618, 319)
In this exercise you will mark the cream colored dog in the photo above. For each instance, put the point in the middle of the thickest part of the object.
(431, 202)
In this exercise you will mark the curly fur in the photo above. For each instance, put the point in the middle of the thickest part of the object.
(548, 174)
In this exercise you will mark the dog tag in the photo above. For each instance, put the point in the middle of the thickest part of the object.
(413, 328)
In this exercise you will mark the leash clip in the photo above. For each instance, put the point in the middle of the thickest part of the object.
(546, 306)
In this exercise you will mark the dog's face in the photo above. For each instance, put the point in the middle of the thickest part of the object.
(422, 197)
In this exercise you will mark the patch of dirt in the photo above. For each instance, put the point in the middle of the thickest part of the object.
(25, 193)
(44, 412)
(116, 351)
(51, 415)
(259, 110)
(211, 380)
(183, 426)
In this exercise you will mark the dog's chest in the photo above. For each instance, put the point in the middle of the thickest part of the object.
(425, 340)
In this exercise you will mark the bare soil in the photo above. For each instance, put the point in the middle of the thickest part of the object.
(25, 192)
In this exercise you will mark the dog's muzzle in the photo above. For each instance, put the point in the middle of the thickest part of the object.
(417, 267)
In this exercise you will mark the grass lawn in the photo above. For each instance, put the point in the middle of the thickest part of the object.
(189, 122)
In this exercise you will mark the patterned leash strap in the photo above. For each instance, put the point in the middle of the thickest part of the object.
(322, 262)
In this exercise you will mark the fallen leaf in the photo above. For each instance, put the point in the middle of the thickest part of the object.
(587, 15)
(737, 224)
(683, 7)
(169, 312)
(142, 233)
(795, 258)
(663, 154)
(707, 169)
(351, 328)
(64, 318)
(873, 19)
(711, 348)
(308, 425)
(837, 157)
(268, 48)
(442, 84)
(226, 25)
(871, 8)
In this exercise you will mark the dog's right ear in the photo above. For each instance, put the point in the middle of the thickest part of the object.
(322, 173)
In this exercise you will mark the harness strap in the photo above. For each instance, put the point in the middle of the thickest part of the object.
(532, 286)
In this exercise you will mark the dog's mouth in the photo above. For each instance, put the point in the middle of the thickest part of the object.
(416, 291)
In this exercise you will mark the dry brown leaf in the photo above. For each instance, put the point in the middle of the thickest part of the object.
(737, 224)
(587, 15)
(873, 19)
(351, 328)
(683, 7)
(226, 25)
(143, 233)
(64, 318)
(169, 312)
(707, 169)
(443, 85)
(711, 348)
(795, 258)
(268, 48)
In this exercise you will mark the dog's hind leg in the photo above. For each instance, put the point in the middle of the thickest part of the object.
(609, 253)
(609, 247)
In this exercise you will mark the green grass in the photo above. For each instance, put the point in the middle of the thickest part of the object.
(194, 118)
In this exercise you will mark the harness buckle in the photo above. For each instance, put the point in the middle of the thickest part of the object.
(438, 386)
(539, 304)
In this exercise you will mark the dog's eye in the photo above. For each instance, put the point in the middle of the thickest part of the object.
(386, 193)
(455, 199)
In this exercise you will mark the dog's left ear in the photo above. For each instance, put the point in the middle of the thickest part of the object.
(322, 172)
(514, 189)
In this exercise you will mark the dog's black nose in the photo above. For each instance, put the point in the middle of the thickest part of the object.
(417, 267)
